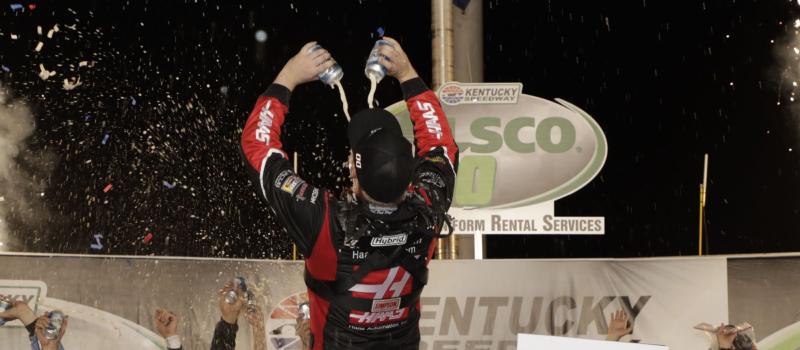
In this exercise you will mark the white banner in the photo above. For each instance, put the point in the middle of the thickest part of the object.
(466, 305)
(537, 342)
(484, 304)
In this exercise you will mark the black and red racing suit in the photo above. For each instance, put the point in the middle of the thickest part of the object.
(377, 308)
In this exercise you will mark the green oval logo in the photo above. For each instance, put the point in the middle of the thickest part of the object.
(518, 154)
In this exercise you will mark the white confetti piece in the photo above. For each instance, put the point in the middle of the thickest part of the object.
(83, 64)
(14, 36)
(51, 31)
(39, 46)
(69, 85)
(39, 30)
(44, 73)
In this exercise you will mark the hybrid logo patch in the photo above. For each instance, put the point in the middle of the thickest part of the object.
(386, 241)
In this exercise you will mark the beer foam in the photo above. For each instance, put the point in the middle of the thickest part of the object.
(343, 97)
(373, 83)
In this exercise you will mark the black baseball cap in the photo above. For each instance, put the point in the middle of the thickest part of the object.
(383, 157)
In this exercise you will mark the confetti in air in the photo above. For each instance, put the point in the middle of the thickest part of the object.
(44, 73)
(98, 245)
(70, 84)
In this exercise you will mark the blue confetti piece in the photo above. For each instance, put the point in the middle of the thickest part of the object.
(5, 69)
(98, 245)
(168, 185)
(380, 31)
(17, 7)
(87, 117)
(133, 101)
(105, 138)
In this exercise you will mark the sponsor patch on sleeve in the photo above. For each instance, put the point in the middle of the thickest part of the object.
(301, 194)
(282, 176)
(291, 183)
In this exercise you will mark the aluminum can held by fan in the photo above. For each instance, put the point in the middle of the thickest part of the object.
(305, 311)
(239, 285)
(52, 330)
(4, 305)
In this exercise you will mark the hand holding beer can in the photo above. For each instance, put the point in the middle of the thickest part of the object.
(54, 328)
(4, 305)
(239, 284)
(374, 69)
(305, 311)
(331, 75)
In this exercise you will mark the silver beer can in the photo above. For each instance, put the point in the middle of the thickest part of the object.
(373, 67)
(250, 302)
(4, 305)
(239, 284)
(333, 74)
(305, 311)
(56, 320)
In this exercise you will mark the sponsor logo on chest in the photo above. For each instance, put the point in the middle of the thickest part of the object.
(386, 241)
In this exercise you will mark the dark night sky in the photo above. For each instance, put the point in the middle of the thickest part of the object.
(666, 81)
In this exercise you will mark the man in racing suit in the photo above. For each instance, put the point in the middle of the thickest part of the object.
(367, 250)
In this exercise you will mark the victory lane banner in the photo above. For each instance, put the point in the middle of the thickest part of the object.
(518, 155)
(466, 305)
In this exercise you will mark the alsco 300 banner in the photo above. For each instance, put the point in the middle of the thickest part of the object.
(519, 154)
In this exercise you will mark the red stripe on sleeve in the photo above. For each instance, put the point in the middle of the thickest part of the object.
(262, 131)
(431, 128)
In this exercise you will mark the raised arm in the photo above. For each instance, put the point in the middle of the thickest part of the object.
(299, 206)
(431, 129)
(433, 138)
